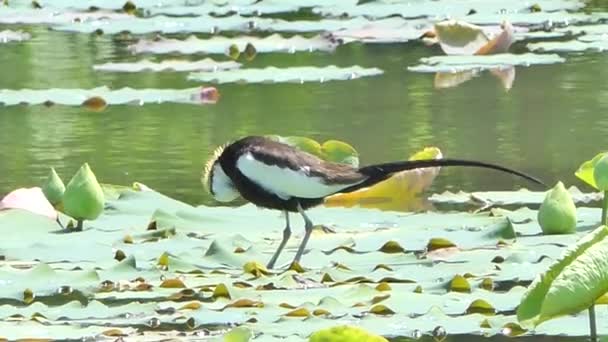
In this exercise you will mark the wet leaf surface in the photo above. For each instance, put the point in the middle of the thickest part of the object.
(455, 64)
(206, 64)
(170, 267)
(76, 97)
(290, 75)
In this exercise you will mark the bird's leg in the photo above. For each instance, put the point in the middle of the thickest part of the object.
(308, 230)
(286, 236)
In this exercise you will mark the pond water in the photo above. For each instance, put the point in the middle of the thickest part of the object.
(553, 118)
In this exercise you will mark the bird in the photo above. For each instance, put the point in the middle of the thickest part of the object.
(275, 175)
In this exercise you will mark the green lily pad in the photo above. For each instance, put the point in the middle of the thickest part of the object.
(286, 75)
(14, 36)
(346, 274)
(429, 8)
(522, 197)
(462, 63)
(210, 24)
(206, 64)
(51, 17)
(584, 43)
(331, 150)
(220, 45)
(586, 171)
(76, 97)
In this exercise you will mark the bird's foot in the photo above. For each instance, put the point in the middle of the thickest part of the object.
(323, 228)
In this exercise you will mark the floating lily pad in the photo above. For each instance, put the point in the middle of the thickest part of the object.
(13, 36)
(380, 32)
(598, 43)
(192, 270)
(379, 9)
(220, 45)
(53, 17)
(206, 64)
(290, 75)
(462, 63)
(257, 9)
(209, 24)
(75, 97)
(521, 197)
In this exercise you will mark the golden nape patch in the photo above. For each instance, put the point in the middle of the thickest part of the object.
(209, 166)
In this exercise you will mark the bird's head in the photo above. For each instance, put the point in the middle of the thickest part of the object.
(216, 181)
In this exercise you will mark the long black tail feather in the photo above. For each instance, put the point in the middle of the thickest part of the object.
(380, 172)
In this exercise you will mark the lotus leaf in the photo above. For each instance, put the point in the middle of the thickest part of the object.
(571, 284)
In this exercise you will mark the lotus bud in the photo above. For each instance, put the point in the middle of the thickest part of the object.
(600, 173)
(53, 188)
(557, 213)
(83, 198)
(345, 333)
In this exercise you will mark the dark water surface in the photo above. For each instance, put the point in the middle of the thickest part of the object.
(554, 118)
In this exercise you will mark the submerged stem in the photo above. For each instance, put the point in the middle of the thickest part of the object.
(592, 326)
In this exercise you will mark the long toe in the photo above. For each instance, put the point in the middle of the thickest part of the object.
(323, 228)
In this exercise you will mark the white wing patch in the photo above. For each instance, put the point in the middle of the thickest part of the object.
(285, 182)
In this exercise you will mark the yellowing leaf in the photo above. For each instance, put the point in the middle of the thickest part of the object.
(245, 303)
(460, 284)
(438, 243)
(382, 310)
(296, 267)
(301, 312)
(399, 192)
(173, 283)
(239, 334)
(480, 306)
(392, 247)
(192, 306)
(487, 284)
(221, 291)
(95, 104)
(345, 333)
(255, 268)
(113, 333)
(383, 287)
(28, 296)
(321, 312)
